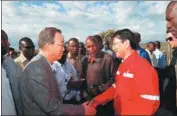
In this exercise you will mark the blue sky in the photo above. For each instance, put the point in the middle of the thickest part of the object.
(83, 18)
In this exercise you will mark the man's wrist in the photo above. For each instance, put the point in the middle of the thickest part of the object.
(93, 103)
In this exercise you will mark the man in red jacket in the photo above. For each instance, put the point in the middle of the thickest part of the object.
(135, 91)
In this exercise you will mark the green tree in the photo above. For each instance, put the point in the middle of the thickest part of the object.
(106, 35)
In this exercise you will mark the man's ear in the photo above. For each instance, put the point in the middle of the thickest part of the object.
(46, 46)
(127, 43)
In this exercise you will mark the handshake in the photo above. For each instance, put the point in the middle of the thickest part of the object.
(90, 107)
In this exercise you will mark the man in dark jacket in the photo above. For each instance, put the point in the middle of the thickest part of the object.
(12, 70)
(168, 75)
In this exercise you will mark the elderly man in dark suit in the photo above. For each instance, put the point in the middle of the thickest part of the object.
(38, 87)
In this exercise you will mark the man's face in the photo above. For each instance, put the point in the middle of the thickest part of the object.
(171, 18)
(4, 46)
(81, 48)
(73, 47)
(172, 41)
(106, 46)
(92, 48)
(119, 47)
(27, 49)
(56, 49)
(151, 47)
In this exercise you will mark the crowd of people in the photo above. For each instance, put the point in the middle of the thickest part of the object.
(91, 78)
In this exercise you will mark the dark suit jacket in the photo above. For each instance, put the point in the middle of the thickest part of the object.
(39, 93)
(13, 73)
(167, 89)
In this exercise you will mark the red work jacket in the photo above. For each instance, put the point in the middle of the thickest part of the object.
(136, 90)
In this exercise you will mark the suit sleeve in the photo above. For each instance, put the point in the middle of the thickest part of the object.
(39, 91)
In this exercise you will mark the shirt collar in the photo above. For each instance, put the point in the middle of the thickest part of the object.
(97, 58)
(148, 51)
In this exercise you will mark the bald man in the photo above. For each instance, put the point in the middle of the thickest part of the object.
(171, 18)
(170, 72)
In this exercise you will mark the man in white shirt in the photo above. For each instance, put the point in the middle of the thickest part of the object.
(150, 49)
(161, 62)
(27, 50)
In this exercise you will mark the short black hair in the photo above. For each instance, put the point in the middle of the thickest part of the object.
(153, 43)
(82, 44)
(157, 43)
(137, 37)
(27, 40)
(73, 39)
(126, 34)
(4, 35)
(11, 49)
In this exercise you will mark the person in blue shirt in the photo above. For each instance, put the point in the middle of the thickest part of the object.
(161, 62)
(142, 52)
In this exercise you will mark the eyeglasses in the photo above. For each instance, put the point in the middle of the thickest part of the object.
(169, 39)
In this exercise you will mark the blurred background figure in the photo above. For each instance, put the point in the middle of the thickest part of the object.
(12, 53)
(27, 50)
(82, 50)
(165, 54)
(107, 49)
(161, 62)
(150, 48)
(67, 46)
(142, 52)
(73, 55)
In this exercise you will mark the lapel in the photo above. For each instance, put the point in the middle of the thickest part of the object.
(50, 78)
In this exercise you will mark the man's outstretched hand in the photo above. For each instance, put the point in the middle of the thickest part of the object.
(93, 103)
(89, 110)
